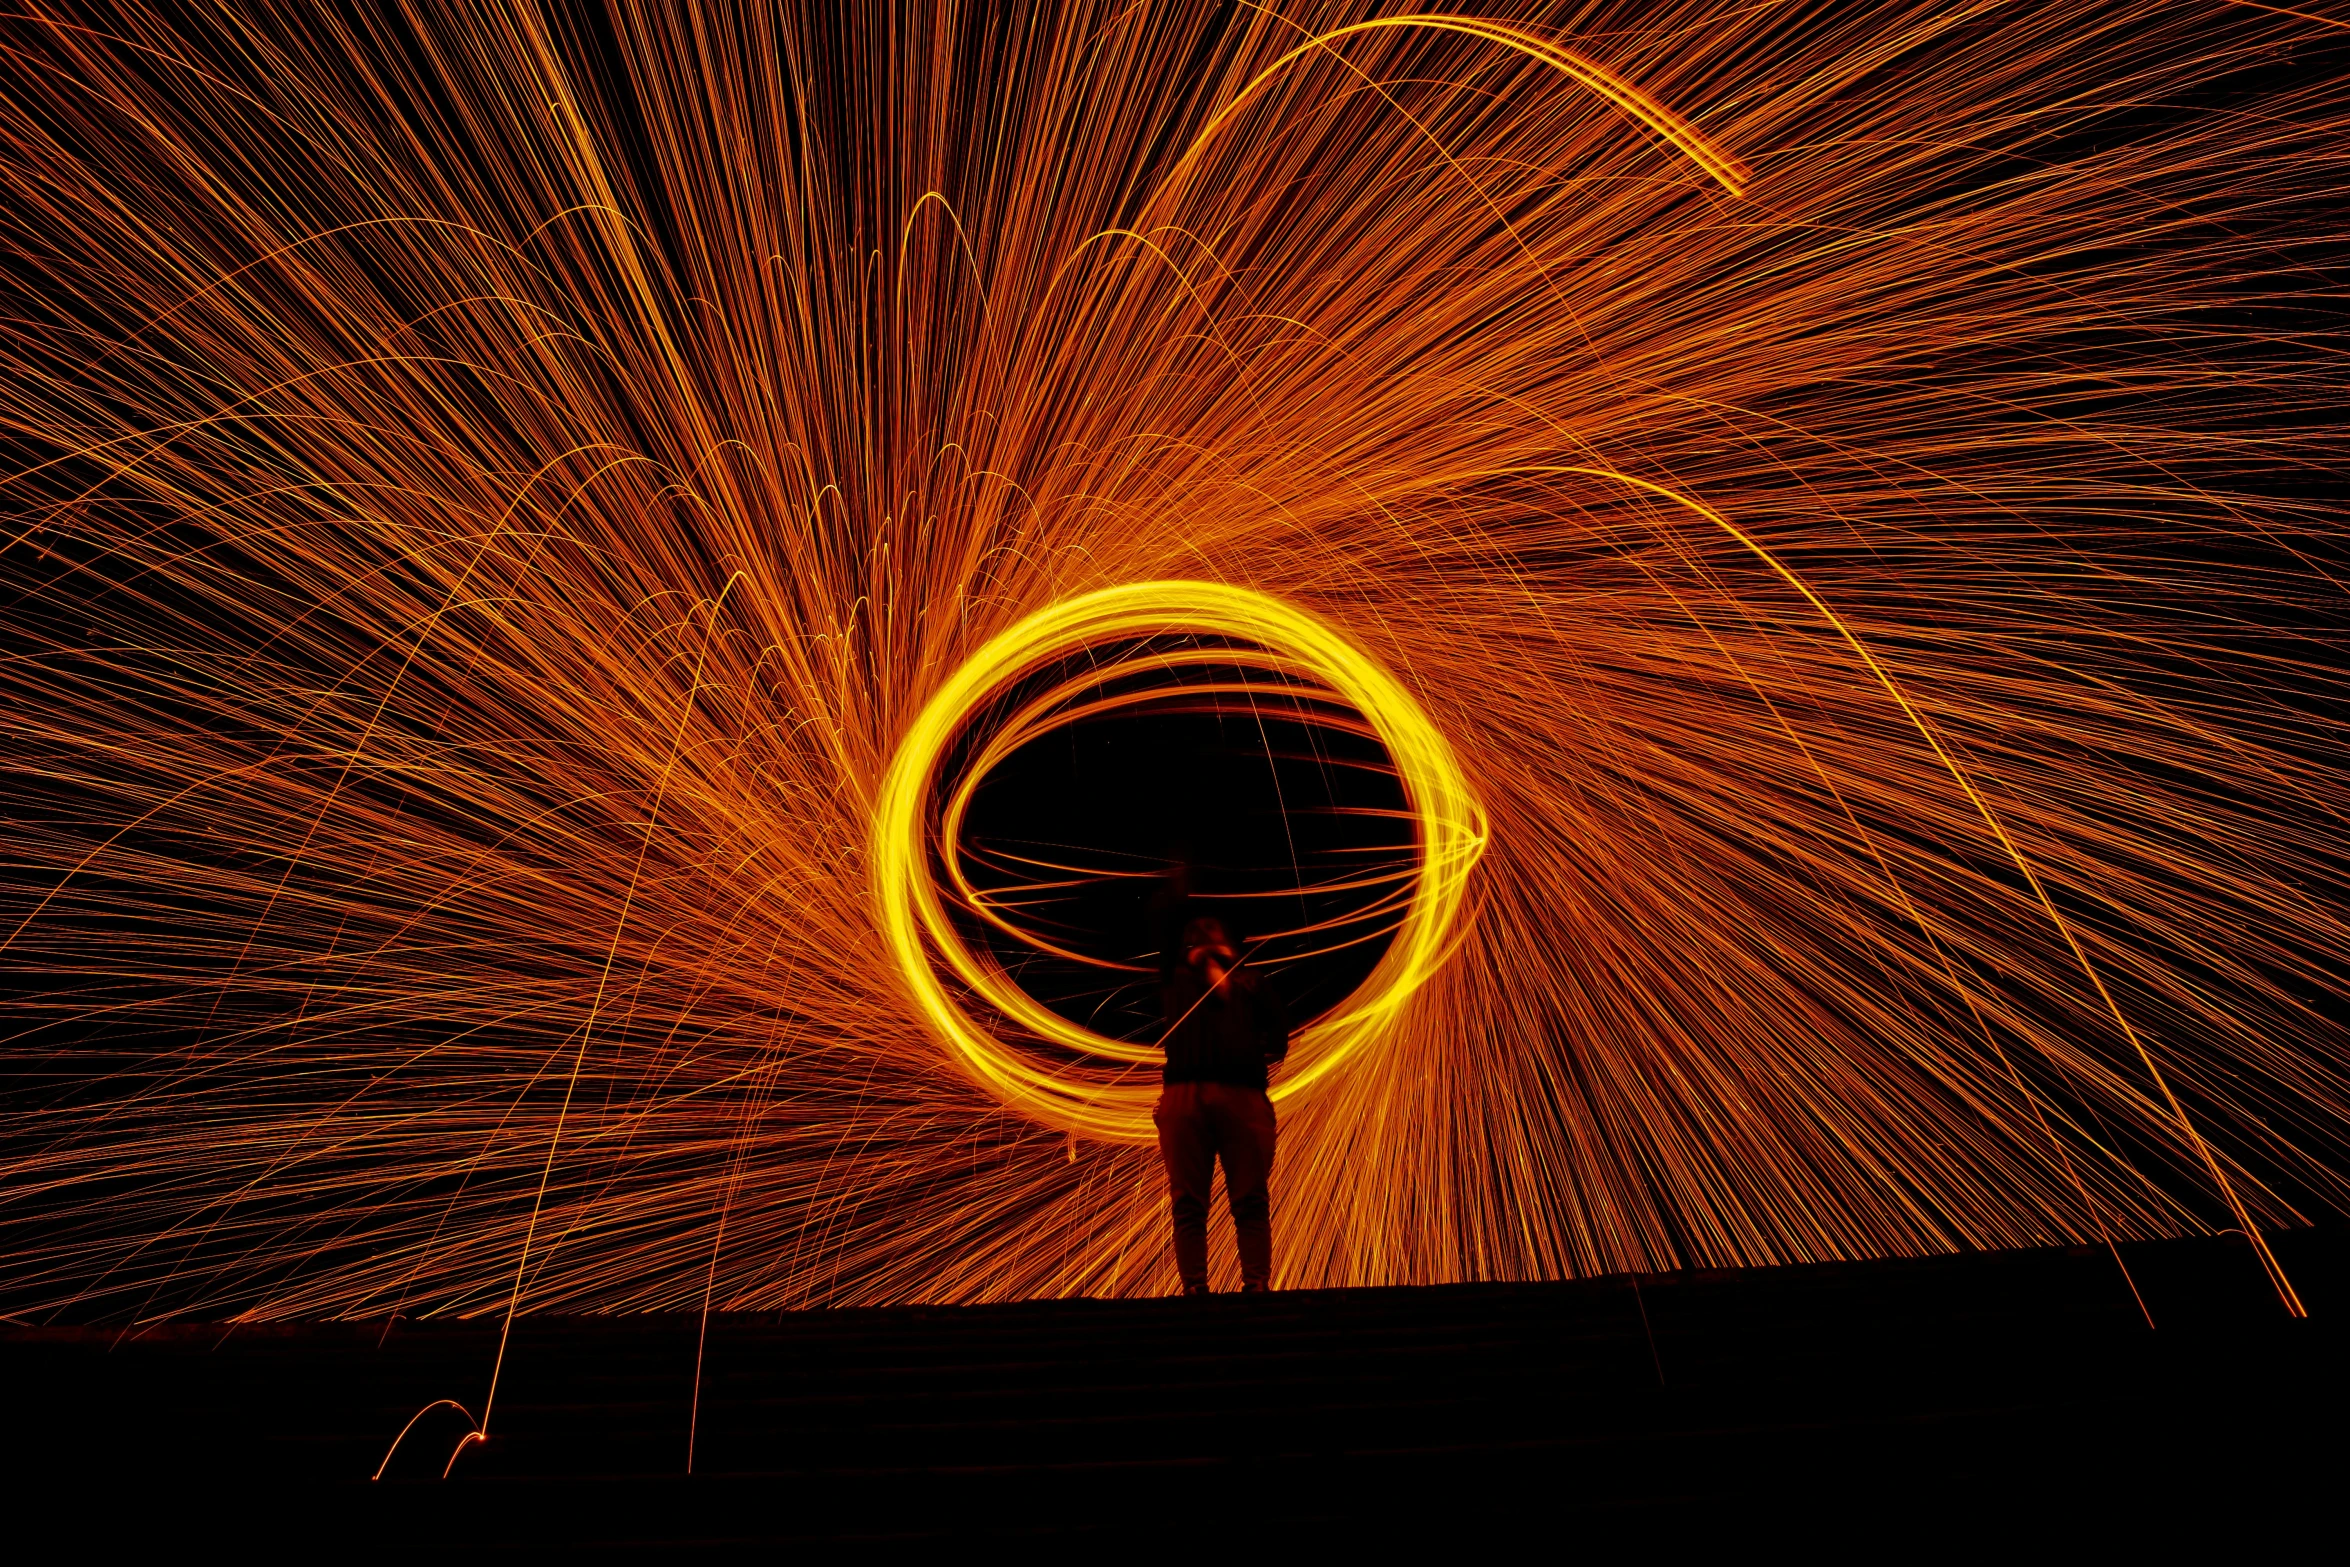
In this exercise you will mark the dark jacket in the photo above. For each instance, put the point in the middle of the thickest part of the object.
(1225, 1036)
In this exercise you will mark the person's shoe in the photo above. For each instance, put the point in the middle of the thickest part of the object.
(1197, 1289)
(1256, 1289)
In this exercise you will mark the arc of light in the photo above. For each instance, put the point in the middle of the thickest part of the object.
(1451, 829)
(2015, 854)
(438, 1403)
(481, 1431)
(906, 233)
(1662, 122)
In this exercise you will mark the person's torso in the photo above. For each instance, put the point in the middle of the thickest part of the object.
(1218, 1036)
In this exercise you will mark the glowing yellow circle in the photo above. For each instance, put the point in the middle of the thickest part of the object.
(1450, 822)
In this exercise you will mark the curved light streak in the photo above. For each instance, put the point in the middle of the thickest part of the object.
(1661, 122)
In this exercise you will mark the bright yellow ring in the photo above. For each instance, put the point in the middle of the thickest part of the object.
(1112, 1103)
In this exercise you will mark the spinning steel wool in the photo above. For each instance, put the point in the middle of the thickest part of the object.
(529, 530)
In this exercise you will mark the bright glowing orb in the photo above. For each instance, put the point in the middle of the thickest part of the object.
(1107, 1093)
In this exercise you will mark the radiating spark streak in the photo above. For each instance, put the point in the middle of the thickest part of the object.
(481, 1430)
(2226, 1187)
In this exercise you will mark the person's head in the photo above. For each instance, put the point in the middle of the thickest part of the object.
(1206, 939)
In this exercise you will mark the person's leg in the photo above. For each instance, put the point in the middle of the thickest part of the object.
(1245, 1127)
(1187, 1147)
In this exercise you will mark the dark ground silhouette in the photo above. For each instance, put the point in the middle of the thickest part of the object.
(2010, 1401)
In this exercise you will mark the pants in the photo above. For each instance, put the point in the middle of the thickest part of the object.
(1198, 1122)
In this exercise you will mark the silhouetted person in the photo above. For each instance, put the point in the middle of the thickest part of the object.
(1224, 1028)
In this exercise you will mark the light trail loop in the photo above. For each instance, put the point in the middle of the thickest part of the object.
(1113, 1100)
